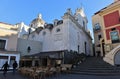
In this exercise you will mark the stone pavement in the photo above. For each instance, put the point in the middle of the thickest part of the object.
(61, 76)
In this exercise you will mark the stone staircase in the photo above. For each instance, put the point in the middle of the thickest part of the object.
(96, 66)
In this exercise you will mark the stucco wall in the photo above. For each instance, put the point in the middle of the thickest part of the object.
(78, 37)
(12, 43)
(23, 44)
(7, 33)
(52, 40)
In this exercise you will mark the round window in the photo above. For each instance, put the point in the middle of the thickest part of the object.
(58, 30)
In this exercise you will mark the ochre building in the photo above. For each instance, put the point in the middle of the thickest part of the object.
(106, 28)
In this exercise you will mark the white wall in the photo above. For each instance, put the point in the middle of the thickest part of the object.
(23, 44)
(73, 37)
(52, 40)
(69, 37)
(78, 37)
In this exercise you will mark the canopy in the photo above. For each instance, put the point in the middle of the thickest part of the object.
(45, 54)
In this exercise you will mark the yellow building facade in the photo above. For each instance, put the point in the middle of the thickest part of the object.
(8, 44)
(106, 26)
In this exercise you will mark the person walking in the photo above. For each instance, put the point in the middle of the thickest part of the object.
(5, 68)
(15, 65)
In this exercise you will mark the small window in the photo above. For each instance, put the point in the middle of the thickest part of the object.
(83, 24)
(44, 33)
(58, 30)
(97, 26)
(113, 29)
(99, 36)
(29, 30)
(29, 49)
(2, 44)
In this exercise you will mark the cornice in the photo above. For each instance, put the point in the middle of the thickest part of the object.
(110, 7)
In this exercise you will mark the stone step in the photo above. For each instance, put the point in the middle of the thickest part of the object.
(98, 68)
(97, 73)
(95, 69)
(94, 65)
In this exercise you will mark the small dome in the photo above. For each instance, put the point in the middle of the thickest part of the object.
(37, 22)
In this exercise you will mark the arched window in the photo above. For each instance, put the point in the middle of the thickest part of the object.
(29, 49)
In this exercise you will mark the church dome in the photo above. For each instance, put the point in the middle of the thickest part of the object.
(38, 22)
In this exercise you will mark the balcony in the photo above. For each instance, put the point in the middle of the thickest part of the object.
(97, 27)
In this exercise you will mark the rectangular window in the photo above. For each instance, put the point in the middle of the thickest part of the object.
(97, 27)
(114, 36)
(2, 44)
(99, 36)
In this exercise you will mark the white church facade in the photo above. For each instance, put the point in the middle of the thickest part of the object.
(61, 40)
(63, 36)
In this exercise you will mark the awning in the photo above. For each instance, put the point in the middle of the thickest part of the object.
(44, 54)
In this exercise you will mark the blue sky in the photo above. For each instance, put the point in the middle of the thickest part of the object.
(16, 11)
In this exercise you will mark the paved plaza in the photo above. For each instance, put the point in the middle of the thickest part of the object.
(61, 76)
